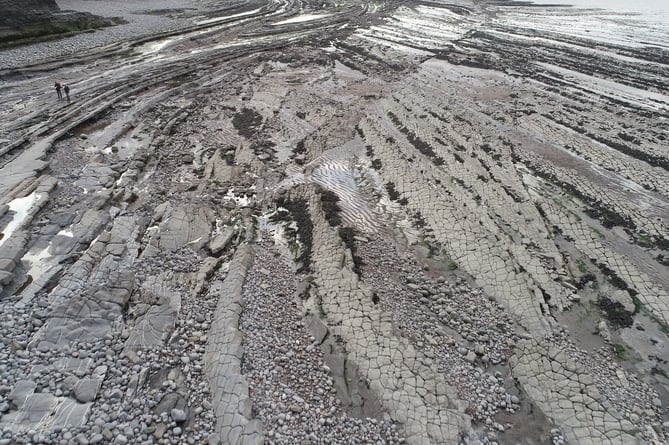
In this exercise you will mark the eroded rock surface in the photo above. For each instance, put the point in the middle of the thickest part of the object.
(419, 223)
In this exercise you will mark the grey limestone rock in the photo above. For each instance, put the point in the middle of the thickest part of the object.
(318, 329)
(159, 320)
(22, 389)
(178, 415)
(188, 225)
(6, 277)
(7, 264)
(221, 240)
(214, 439)
(86, 390)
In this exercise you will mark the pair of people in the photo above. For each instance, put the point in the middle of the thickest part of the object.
(65, 88)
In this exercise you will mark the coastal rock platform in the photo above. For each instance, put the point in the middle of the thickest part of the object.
(338, 223)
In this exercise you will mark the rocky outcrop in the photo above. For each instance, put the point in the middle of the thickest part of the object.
(33, 20)
(24, 12)
(565, 391)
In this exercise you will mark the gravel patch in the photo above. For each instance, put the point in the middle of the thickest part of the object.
(469, 336)
(288, 379)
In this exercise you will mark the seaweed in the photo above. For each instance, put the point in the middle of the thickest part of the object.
(299, 210)
(246, 122)
(330, 203)
(615, 313)
(347, 235)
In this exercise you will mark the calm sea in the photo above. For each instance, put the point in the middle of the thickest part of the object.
(616, 5)
(650, 14)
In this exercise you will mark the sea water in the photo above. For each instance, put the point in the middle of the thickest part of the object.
(649, 9)
(634, 23)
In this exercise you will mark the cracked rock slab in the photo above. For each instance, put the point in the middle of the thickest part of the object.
(564, 392)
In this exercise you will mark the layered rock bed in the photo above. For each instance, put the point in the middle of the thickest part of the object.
(326, 224)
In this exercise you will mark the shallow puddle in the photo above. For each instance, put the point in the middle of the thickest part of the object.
(21, 208)
(302, 18)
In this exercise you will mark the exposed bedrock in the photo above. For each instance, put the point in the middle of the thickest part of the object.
(405, 382)
(30, 21)
(15, 12)
(567, 394)
(322, 223)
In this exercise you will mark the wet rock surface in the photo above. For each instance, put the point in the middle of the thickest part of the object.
(360, 223)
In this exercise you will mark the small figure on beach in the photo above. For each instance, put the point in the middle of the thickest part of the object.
(66, 88)
(57, 85)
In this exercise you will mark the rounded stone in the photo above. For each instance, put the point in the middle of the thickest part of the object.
(86, 390)
(178, 415)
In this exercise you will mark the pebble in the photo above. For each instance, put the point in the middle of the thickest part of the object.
(178, 415)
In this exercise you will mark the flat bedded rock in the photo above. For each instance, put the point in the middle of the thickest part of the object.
(44, 411)
(14, 247)
(221, 240)
(36, 407)
(70, 413)
(92, 295)
(21, 391)
(187, 225)
(461, 175)
(89, 307)
(317, 328)
(73, 365)
(429, 410)
(7, 265)
(566, 395)
(154, 326)
(63, 331)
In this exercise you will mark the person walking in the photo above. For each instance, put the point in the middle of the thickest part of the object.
(66, 88)
(57, 85)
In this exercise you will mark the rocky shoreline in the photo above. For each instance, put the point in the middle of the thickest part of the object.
(123, 22)
(327, 224)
